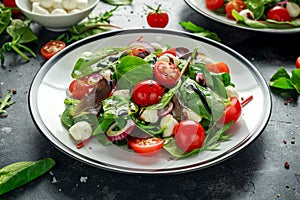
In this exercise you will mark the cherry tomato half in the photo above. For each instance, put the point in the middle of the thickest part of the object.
(232, 111)
(218, 67)
(279, 13)
(51, 48)
(298, 62)
(168, 51)
(166, 73)
(158, 19)
(237, 5)
(78, 88)
(146, 146)
(147, 92)
(189, 135)
(214, 4)
(139, 52)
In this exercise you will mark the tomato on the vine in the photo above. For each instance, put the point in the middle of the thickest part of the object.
(147, 92)
(146, 146)
(78, 88)
(51, 48)
(189, 135)
(298, 63)
(166, 73)
(232, 111)
(237, 5)
(157, 18)
(214, 4)
(218, 67)
(279, 13)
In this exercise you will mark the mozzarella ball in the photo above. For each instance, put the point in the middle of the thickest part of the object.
(57, 4)
(74, 11)
(36, 8)
(69, 4)
(46, 3)
(58, 11)
(82, 4)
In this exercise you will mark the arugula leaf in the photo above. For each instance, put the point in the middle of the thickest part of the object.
(132, 70)
(200, 30)
(17, 174)
(4, 103)
(118, 2)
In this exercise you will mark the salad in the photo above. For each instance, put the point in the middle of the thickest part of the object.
(276, 14)
(145, 97)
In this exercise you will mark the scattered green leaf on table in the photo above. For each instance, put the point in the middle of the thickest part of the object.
(17, 174)
(200, 30)
(4, 103)
(281, 79)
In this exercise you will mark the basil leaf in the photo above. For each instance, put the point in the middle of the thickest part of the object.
(5, 16)
(20, 31)
(66, 118)
(20, 173)
(132, 70)
(295, 79)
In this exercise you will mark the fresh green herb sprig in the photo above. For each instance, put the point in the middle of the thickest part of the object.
(118, 2)
(92, 26)
(17, 174)
(200, 30)
(4, 103)
(14, 34)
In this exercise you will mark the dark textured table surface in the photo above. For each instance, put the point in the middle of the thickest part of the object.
(257, 172)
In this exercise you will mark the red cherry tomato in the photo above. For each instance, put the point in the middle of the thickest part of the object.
(78, 88)
(237, 5)
(298, 62)
(11, 4)
(279, 13)
(189, 135)
(157, 18)
(218, 67)
(147, 93)
(232, 111)
(51, 48)
(146, 146)
(169, 51)
(139, 52)
(166, 73)
(214, 4)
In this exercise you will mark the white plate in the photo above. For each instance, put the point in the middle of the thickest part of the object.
(200, 7)
(48, 91)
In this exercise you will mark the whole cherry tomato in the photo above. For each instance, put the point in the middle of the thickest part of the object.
(218, 67)
(237, 5)
(298, 62)
(189, 135)
(157, 18)
(279, 13)
(11, 4)
(232, 111)
(214, 4)
(51, 48)
(147, 92)
(146, 146)
(166, 73)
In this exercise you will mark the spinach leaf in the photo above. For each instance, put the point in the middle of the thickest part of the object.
(5, 16)
(20, 173)
(205, 102)
(66, 118)
(200, 30)
(132, 70)
(118, 2)
(89, 63)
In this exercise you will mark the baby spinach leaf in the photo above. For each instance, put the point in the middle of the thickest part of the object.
(20, 173)
(88, 63)
(132, 70)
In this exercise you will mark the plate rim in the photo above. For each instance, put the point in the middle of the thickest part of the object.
(35, 115)
(234, 25)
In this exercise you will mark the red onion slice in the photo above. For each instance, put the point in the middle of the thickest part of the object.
(143, 44)
(120, 134)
